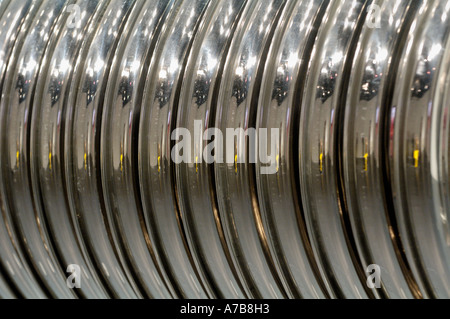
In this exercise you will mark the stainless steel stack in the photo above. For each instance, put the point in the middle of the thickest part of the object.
(94, 93)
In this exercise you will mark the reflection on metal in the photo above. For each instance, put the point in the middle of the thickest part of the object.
(89, 102)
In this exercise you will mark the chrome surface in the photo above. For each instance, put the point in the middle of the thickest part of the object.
(15, 107)
(318, 138)
(81, 144)
(52, 83)
(374, 67)
(128, 163)
(412, 137)
(119, 131)
(11, 254)
(278, 107)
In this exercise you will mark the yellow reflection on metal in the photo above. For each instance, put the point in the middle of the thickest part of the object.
(416, 158)
(196, 164)
(321, 162)
(159, 164)
(278, 162)
(366, 160)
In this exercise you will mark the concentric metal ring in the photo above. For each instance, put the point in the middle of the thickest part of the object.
(224, 149)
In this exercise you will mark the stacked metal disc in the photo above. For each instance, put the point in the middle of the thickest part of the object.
(94, 91)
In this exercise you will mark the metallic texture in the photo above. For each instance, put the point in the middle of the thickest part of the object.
(278, 107)
(420, 210)
(374, 67)
(318, 138)
(224, 149)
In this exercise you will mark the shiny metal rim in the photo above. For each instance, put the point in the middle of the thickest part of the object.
(96, 97)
